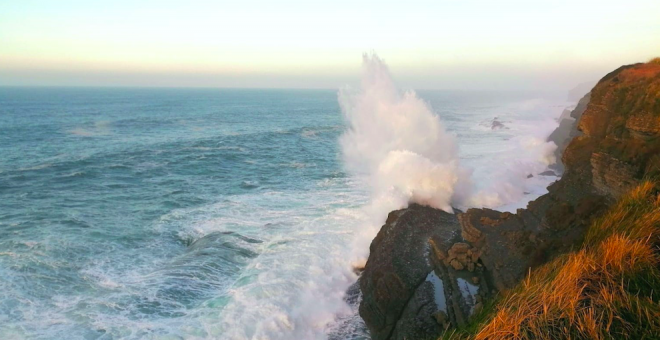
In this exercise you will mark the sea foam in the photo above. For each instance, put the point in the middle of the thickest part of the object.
(397, 143)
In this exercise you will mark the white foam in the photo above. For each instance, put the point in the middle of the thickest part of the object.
(397, 142)
(295, 287)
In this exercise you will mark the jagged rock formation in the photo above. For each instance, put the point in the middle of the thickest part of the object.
(567, 130)
(429, 270)
(398, 268)
(497, 125)
(419, 276)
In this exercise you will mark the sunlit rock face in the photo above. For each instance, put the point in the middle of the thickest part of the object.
(429, 270)
(620, 126)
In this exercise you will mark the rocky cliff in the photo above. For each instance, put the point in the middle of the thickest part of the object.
(429, 270)
(567, 130)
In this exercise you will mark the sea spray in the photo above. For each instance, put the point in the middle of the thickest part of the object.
(512, 172)
(167, 246)
(400, 147)
(397, 143)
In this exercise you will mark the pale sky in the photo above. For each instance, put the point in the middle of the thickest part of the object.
(441, 44)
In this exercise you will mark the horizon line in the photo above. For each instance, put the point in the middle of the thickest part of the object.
(265, 88)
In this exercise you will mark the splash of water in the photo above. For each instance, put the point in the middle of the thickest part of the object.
(397, 143)
(511, 179)
(400, 148)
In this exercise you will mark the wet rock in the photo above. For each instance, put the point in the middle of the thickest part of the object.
(496, 125)
(398, 265)
(418, 319)
(612, 147)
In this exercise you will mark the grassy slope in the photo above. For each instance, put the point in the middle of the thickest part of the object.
(609, 289)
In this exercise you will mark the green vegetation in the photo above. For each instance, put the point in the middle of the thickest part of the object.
(609, 289)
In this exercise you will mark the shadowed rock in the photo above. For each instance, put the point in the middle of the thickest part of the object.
(421, 254)
(496, 125)
(399, 264)
(567, 130)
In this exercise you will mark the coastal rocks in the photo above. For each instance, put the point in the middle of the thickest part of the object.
(496, 125)
(421, 276)
(644, 126)
(462, 256)
(397, 269)
(611, 176)
(506, 244)
(621, 125)
(567, 130)
(429, 270)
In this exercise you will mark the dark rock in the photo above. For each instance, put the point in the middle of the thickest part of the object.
(353, 295)
(612, 146)
(419, 318)
(398, 265)
(567, 130)
(496, 125)
(417, 249)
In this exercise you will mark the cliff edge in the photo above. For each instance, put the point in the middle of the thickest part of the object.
(430, 271)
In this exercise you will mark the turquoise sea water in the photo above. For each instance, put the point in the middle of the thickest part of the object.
(195, 213)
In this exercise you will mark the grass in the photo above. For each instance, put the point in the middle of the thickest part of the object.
(606, 290)
(655, 61)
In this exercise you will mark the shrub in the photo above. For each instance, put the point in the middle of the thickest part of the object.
(606, 290)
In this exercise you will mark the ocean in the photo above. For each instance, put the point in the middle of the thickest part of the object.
(137, 213)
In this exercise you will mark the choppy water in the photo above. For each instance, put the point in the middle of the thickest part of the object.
(201, 213)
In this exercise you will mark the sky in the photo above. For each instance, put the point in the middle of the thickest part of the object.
(441, 44)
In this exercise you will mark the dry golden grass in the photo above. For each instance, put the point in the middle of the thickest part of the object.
(655, 61)
(607, 290)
